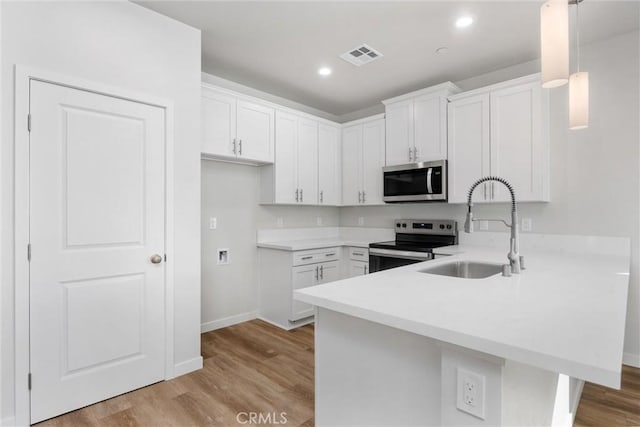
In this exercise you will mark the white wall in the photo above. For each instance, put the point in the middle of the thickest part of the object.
(594, 172)
(127, 46)
(230, 193)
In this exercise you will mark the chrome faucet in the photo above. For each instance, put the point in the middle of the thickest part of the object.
(515, 260)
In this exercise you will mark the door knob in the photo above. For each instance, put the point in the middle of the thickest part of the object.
(156, 259)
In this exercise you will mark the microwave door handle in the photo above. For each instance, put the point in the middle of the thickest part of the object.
(429, 179)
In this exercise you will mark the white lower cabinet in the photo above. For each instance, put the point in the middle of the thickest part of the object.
(282, 272)
(358, 268)
(356, 262)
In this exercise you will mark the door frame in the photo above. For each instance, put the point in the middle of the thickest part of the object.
(23, 77)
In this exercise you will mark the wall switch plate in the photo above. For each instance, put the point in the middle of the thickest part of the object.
(360, 220)
(319, 221)
(213, 223)
(527, 224)
(483, 225)
(470, 393)
(223, 256)
(280, 223)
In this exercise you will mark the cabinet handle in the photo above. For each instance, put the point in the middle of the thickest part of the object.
(358, 253)
(234, 146)
(484, 190)
(316, 273)
(366, 267)
(240, 145)
(321, 196)
(364, 197)
(359, 196)
(415, 154)
(297, 195)
(321, 272)
(331, 254)
(301, 196)
(307, 257)
(410, 154)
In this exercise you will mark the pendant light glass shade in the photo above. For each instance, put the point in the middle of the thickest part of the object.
(579, 100)
(554, 36)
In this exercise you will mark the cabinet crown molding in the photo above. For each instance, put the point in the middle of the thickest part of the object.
(447, 88)
(501, 85)
(363, 120)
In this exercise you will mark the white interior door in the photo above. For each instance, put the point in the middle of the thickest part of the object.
(97, 199)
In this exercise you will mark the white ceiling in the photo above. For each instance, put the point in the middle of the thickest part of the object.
(277, 47)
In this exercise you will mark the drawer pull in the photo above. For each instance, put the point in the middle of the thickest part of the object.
(332, 254)
(358, 253)
(307, 257)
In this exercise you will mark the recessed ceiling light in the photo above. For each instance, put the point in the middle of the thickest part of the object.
(464, 21)
(442, 50)
(324, 71)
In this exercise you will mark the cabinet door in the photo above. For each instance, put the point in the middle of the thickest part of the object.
(218, 112)
(372, 161)
(303, 277)
(400, 133)
(358, 268)
(329, 272)
(469, 155)
(351, 165)
(255, 131)
(308, 161)
(286, 180)
(517, 144)
(329, 165)
(430, 122)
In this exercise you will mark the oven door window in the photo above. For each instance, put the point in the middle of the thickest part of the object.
(381, 262)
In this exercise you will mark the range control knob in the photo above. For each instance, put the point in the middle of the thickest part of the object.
(398, 225)
(441, 226)
(448, 226)
(404, 225)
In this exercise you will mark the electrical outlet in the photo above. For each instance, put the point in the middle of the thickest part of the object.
(213, 223)
(470, 393)
(527, 224)
(319, 221)
(279, 222)
(223, 256)
(483, 225)
(361, 220)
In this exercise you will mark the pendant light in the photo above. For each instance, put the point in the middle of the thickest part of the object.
(554, 38)
(578, 88)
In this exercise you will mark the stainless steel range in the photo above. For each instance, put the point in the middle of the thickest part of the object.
(415, 241)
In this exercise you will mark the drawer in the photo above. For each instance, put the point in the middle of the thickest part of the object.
(314, 256)
(359, 254)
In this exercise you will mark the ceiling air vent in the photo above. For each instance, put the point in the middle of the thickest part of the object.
(361, 55)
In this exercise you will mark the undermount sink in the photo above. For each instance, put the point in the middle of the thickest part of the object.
(465, 269)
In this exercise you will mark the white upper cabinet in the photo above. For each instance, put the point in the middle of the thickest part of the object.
(235, 129)
(329, 165)
(416, 125)
(304, 172)
(501, 130)
(362, 161)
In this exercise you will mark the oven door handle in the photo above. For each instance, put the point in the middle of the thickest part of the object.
(420, 256)
(429, 180)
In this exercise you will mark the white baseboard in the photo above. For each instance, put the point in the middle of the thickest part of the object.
(8, 422)
(290, 326)
(631, 359)
(187, 366)
(575, 400)
(228, 321)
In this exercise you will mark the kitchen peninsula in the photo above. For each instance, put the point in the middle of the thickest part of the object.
(403, 347)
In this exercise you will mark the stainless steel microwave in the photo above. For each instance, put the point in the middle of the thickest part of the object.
(415, 182)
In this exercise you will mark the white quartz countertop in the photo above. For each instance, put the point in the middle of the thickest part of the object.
(303, 245)
(564, 313)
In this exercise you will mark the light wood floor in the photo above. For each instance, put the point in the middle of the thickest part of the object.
(255, 367)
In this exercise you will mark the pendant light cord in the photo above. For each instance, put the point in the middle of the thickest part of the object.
(578, 33)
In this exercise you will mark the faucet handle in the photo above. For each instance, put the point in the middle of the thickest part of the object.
(506, 270)
(522, 267)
